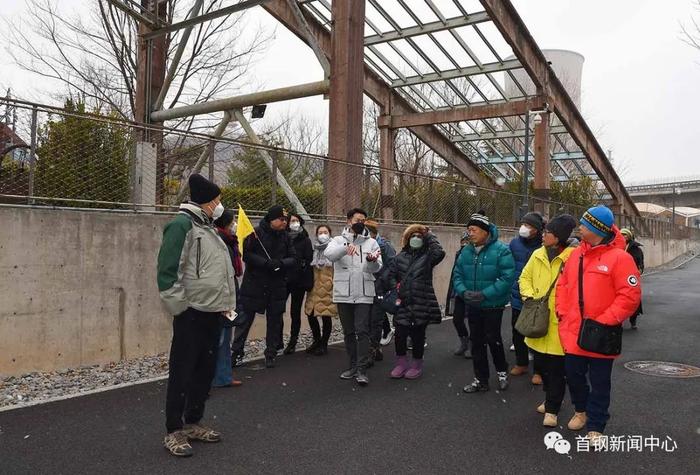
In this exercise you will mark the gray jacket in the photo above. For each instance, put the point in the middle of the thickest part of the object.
(353, 276)
(194, 265)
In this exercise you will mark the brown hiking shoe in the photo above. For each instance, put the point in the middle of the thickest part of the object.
(578, 422)
(518, 370)
(541, 408)
(177, 444)
(201, 433)
(536, 379)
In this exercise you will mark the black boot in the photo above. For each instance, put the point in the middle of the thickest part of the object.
(322, 349)
(378, 355)
(269, 361)
(291, 346)
(311, 350)
(463, 346)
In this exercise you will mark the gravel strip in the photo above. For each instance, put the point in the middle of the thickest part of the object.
(37, 387)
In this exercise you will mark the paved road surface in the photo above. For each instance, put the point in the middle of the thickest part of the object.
(300, 418)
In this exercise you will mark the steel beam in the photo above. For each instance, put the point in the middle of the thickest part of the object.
(501, 135)
(278, 176)
(514, 31)
(244, 5)
(542, 157)
(555, 157)
(344, 172)
(138, 16)
(458, 73)
(381, 93)
(246, 100)
(465, 113)
(218, 132)
(427, 28)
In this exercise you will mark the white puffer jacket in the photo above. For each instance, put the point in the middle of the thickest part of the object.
(353, 276)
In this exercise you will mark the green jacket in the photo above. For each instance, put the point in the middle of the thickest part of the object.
(491, 271)
(194, 265)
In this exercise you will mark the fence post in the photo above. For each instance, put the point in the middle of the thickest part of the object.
(212, 145)
(273, 179)
(455, 195)
(32, 157)
(431, 200)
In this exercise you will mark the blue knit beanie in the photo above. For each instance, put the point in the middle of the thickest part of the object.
(599, 220)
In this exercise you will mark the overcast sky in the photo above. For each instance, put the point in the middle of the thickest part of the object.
(641, 92)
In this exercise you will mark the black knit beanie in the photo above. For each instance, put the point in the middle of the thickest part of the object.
(562, 226)
(479, 219)
(535, 220)
(202, 190)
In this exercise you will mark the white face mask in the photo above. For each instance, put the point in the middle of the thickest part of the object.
(524, 232)
(323, 238)
(295, 226)
(218, 211)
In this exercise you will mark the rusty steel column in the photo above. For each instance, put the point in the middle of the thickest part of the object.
(542, 162)
(344, 172)
(150, 75)
(387, 137)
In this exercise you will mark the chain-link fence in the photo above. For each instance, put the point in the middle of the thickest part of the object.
(69, 158)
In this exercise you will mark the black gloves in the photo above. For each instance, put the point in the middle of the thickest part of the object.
(472, 297)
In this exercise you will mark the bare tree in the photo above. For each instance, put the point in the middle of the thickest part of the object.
(691, 32)
(94, 55)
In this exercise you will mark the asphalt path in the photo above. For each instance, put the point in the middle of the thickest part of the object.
(301, 418)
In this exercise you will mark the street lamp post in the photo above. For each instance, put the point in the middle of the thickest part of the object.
(676, 191)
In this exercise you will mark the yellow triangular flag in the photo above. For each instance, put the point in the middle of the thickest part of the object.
(244, 228)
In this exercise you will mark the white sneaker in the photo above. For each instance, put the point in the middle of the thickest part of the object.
(512, 347)
(387, 339)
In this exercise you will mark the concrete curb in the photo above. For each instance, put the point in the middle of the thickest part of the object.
(660, 270)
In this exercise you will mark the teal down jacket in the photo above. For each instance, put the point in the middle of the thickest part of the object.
(491, 271)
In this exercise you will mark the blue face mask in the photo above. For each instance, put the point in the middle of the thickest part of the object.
(415, 242)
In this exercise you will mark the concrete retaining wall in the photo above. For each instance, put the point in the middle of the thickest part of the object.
(79, 287)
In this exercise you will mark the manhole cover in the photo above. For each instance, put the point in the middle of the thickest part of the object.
(663, 368)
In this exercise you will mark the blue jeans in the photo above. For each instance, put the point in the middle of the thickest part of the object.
(594, 400)
(224, 374)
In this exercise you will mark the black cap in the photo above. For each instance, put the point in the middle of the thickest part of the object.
(535, 220)
(562, 226)
(275, 212)
(202, 190)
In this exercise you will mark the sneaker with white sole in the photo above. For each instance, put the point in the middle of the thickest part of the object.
(178, 444)
(502, 380)
(476, 386)
(201, 433)
(348, 373)
(596, 440)
(387, 339)
(361, 378)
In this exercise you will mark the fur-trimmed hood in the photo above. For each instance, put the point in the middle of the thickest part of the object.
(412, 229)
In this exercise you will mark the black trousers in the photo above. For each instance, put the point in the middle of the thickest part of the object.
(458, 319)
(272, 334)
(355, 321)
(294, 313)
(193, 353)
(553, 371)
(417, 334)
(316, 328)
(521, 350)
(485, 330)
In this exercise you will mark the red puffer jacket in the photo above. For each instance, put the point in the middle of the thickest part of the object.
(611, 290)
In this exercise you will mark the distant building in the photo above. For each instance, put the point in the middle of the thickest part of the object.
(685, 216)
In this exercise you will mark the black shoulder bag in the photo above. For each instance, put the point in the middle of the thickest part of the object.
(594, 336)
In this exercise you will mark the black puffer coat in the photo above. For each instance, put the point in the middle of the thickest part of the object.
(302, 276)
(413, 269)
(263, 288)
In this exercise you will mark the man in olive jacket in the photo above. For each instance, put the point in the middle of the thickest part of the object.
(196, 284)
